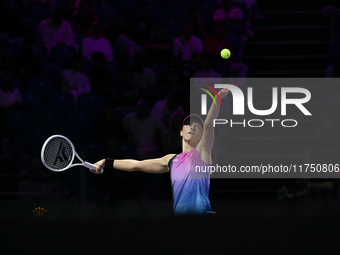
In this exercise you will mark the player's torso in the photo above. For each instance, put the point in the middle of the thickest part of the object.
(190, 185)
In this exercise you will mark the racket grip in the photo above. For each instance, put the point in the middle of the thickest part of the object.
(91, 166)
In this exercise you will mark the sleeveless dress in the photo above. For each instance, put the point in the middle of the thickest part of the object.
(190, 189)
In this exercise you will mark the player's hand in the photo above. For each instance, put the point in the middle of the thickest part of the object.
(223, 93)
(100, 166)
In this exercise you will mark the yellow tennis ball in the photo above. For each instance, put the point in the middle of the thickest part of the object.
(225, 53)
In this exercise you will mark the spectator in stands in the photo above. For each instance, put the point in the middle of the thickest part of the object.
(172, 140)
(5, 14)
(125, 49)
(107, 128)
(27, 64)
(18, 29)
(176, 78)
(332, 13)
(209, 75)
(327, 147)
(213, 46)
(176, 65)
(252, 10)
(100, 78)
(140, 26)
(158, 47)
(4, 59)
(142, 76)
(206, 69)
(73, 80)
(143, 129)
(5, 41)
(189, 45)
(55, 31)
(328, 131)
(116, 28)
(333, 70)
(133, 39)
(95, 42)
(69, 12)
(197, 22)
(318, 188)
(9, 97)
(108, 131)
(172, 82)
(228, 12)
(51, 3)
(85, 15)
(163, 109)
(128, 93)
(114, 181)
(326, 150)
(232, 18)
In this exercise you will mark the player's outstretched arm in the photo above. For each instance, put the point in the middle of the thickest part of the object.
(156, 166)
(208, 134)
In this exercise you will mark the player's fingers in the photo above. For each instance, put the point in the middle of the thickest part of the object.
(99, 170)
(224, 92)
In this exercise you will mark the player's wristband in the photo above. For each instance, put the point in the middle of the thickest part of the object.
(109, 163)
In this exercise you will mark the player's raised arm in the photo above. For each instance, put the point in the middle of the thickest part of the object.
(156, 166)
(208, 134)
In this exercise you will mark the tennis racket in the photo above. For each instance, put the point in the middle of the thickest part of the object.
(57, 154)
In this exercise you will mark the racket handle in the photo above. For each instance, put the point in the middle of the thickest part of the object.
(91, 166)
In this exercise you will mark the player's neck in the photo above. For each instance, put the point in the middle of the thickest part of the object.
(186, 146)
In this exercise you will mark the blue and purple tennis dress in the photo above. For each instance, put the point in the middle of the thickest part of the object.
(190, 191)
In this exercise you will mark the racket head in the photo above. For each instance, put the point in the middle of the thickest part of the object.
(57, 153)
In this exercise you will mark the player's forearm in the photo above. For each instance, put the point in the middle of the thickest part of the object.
(213, 113)
(156, 166)
(129, 165)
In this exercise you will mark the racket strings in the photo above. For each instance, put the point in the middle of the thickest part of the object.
(58, 153)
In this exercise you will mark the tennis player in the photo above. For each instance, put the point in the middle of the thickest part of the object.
(190, 192)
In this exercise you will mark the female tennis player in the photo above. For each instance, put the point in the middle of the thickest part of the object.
(190, 191)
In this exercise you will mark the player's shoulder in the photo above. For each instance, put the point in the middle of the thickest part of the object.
(44, 23)
(148, 71)
(210, 39)
(177, 40)
(204, 154)
(130, 116)
(65, 23)
(196, 39)
(168, 157)
(86, 39)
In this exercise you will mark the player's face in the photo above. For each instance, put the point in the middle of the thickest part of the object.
(192, 131)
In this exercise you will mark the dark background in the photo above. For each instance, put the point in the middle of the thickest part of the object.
(131, 212)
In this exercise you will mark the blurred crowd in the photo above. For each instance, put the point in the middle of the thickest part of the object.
(113, 76)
